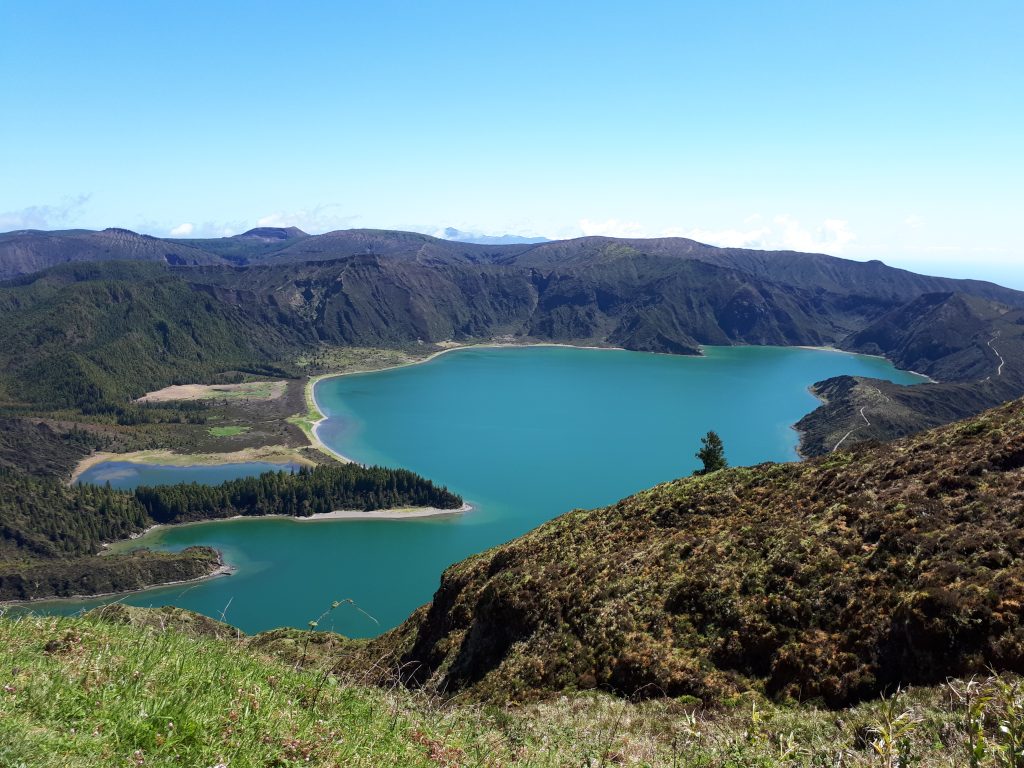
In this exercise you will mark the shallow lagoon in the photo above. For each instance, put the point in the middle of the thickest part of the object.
(126, 475)
(523, 434)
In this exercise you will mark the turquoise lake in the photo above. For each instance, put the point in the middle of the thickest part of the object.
(127, 475)
(524, 434)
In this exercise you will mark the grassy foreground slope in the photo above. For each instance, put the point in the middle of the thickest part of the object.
(833, 580)
(91, 694)
(169, 688)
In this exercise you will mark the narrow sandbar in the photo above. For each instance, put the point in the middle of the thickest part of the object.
(404, 513)
(381, 514)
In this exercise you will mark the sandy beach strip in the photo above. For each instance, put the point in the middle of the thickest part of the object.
(380, 514)
(927, 379)
(403, 513)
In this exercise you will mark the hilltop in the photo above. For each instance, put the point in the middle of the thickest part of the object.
(26, 251)
(830, 580)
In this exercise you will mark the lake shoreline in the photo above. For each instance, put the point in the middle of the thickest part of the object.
(403, 513)
(270, 454)
(413, 554)
(823, 401)
(316, 416)
(928, 379)
(313, 434)
(227, 569)
(319, 444)
(222, 569)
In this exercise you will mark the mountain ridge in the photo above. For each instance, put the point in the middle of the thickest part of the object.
(358, 241)
(284, 292)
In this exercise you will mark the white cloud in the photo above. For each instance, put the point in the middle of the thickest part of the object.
(836, 235)
(782, 232)
(476, 236)
(322, 218)
(612, 228)
(183, 230)
(43, 216)
(274, 220)
(832, 236)
(724, 238)
(914, 222)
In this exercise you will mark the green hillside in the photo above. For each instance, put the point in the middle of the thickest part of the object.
(51, 534)
(90, 335)
(131, 687)
(132, 313)
(831, 580)
(378, 288)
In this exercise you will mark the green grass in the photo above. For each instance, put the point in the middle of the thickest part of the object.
(306, 421)
(85, 693)
(227, 431)
(335, 359)
(255, 390)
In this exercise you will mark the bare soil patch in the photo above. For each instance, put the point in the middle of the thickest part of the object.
(254, 390)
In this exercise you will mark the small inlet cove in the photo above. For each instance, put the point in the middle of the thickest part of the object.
(523, 434)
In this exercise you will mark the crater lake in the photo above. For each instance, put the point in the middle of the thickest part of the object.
(524, 434)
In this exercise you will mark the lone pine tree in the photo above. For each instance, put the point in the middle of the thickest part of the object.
(712, 454)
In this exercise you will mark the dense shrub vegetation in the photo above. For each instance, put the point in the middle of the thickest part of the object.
(101, 575)
(40, 449)
(94, 335)
(50, 533)
(324, 488)
(44, 517)
(832, 580)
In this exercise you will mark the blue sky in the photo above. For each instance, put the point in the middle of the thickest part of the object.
(862, 129)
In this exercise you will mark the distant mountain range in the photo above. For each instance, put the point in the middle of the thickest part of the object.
(450, 233)
(260, 297)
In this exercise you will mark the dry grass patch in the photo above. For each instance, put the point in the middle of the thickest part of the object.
(249, 390)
